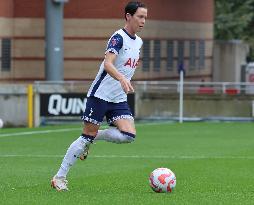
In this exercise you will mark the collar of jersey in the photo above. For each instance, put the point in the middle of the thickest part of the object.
(132, 37)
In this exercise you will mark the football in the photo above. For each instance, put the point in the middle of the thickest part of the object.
(1, 123)
(162, 180)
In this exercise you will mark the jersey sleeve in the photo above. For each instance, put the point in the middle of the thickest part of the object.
(115, 44)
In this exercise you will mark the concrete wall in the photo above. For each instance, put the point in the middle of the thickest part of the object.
(228, 58)
(13, 104)
(156, 105)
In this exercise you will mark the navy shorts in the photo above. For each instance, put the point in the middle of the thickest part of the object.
(96, 109)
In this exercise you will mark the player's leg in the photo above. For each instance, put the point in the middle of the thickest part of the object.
(75, 150)
(93, 116)
(124, 131)
(90, 130)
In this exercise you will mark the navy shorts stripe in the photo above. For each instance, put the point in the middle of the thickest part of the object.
(97, 84)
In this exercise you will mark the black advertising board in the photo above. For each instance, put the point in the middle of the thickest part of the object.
(68, 104)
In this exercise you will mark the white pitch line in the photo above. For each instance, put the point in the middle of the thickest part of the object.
(57, 130)
(38, 132)
(131, 156)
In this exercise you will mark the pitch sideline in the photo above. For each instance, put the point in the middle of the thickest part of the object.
(132, 156)
(37, 132)
(61, 130)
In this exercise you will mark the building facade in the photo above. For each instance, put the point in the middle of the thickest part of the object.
(176, 32)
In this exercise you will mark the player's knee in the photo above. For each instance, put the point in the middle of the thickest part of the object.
(90, 129)
(128, 137)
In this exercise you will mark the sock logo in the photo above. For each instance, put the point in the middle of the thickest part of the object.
(91, 111)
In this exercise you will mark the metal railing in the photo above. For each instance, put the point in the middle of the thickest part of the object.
(196, 87)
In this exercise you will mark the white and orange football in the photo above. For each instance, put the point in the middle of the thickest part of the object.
(162, 180)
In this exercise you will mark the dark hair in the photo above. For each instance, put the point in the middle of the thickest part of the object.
(132, 7)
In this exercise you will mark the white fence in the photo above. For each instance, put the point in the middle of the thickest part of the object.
(231, 88)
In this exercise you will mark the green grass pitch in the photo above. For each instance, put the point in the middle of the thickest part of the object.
(213, 163)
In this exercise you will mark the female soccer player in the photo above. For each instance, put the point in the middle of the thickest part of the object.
(107, 95)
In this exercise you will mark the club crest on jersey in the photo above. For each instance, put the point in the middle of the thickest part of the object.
(114, 41)
(132, 63)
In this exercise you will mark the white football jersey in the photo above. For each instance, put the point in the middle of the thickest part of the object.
(127, 48)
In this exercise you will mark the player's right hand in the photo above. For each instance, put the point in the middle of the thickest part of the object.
(126, 85)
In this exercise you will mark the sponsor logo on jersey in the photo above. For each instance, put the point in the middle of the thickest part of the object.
(132, 63)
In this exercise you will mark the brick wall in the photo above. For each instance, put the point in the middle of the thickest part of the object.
(88, 25)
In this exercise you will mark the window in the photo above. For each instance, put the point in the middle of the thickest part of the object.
(201, 57)
(192, 63)
(6, 54)
(146, 55)
(157, 55)
(180, 52)
(170, 55)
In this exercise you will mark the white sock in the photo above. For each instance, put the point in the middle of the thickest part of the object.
(71, 156)
(114, 135)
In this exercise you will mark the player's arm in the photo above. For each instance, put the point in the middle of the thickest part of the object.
(114, 73)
